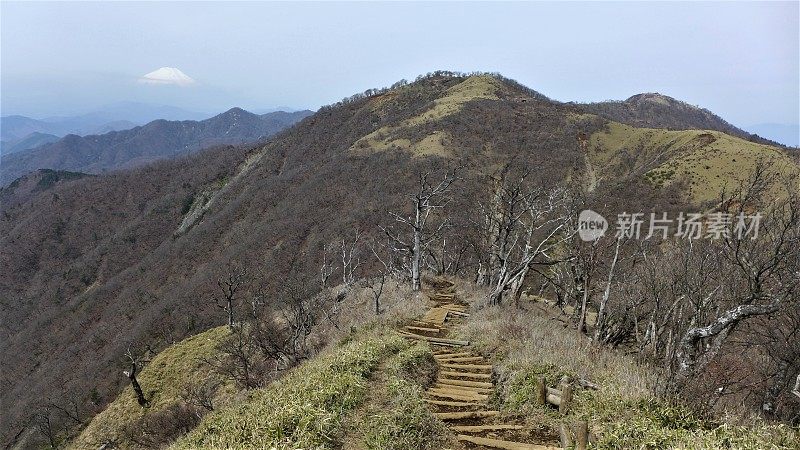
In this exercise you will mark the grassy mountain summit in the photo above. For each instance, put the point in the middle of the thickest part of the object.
(98, 263)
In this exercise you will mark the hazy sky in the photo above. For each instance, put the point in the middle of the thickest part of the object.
(738, 59)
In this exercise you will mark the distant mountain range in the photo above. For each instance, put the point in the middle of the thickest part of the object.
(113, 117)
(156, 140)
(18, 133)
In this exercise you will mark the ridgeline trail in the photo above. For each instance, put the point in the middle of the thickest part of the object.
(464, 384)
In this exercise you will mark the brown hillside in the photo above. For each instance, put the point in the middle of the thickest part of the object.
(98, 263)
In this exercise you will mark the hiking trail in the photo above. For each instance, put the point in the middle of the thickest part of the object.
(464, 383)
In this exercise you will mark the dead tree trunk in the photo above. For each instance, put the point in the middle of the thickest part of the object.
(601, 311)
(690, 359)
(425, 201)
(135, 362)
(417, 252)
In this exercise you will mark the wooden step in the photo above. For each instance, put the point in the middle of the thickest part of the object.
(480, 384)
(480, 428)
(434, 339)
(464, 397)
(452, 403)
(497, 443)
(445, 352)
(454, 388)
(462, 392)
(453, 306)
(461, 359)
(429, 330)
(452, 355)
(465, 415)
(469, 395)
(450, 373)
(443, 345)
(467, 366)
(459, 314)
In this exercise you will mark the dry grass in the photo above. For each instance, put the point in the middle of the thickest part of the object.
(401, 420)
(525, 339)
(397, 303)
(166, 377)
(623, 413)
(164, 380)
(305, 409)
(707, 160)
(391, 137)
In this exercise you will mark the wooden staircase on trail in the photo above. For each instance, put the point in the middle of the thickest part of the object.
(460, 396)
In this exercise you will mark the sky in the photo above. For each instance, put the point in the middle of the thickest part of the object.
(740, 60)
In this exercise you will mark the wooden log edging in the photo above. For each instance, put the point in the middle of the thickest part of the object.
(562, 398)
(575, 437)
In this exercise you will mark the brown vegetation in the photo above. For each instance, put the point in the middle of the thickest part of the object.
(95, 264)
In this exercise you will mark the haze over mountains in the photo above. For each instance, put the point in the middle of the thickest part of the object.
(18, 132)
(18, 126)
(80, 252)
(136, 146)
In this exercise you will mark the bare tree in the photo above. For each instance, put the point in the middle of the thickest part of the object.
(759, 276)
(327, 268)
(136, 361)
(601, 324)
(238, 359)
(229, 286)
(449, 258)
(427, 199)
(282, 337)
(522, 226)
(351, 258)
(383, 255)
(201, 395)
(44, 422)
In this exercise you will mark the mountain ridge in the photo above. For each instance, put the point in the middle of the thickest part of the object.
(81, 254)
(655, 110)
(157, 139)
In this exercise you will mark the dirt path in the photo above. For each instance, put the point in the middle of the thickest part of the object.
(460, 396)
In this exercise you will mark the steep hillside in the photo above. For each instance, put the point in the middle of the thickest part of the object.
(156, 140)
(707, 161)
(169, 380)
(375, 387)
(653, 110)
(96, 263)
